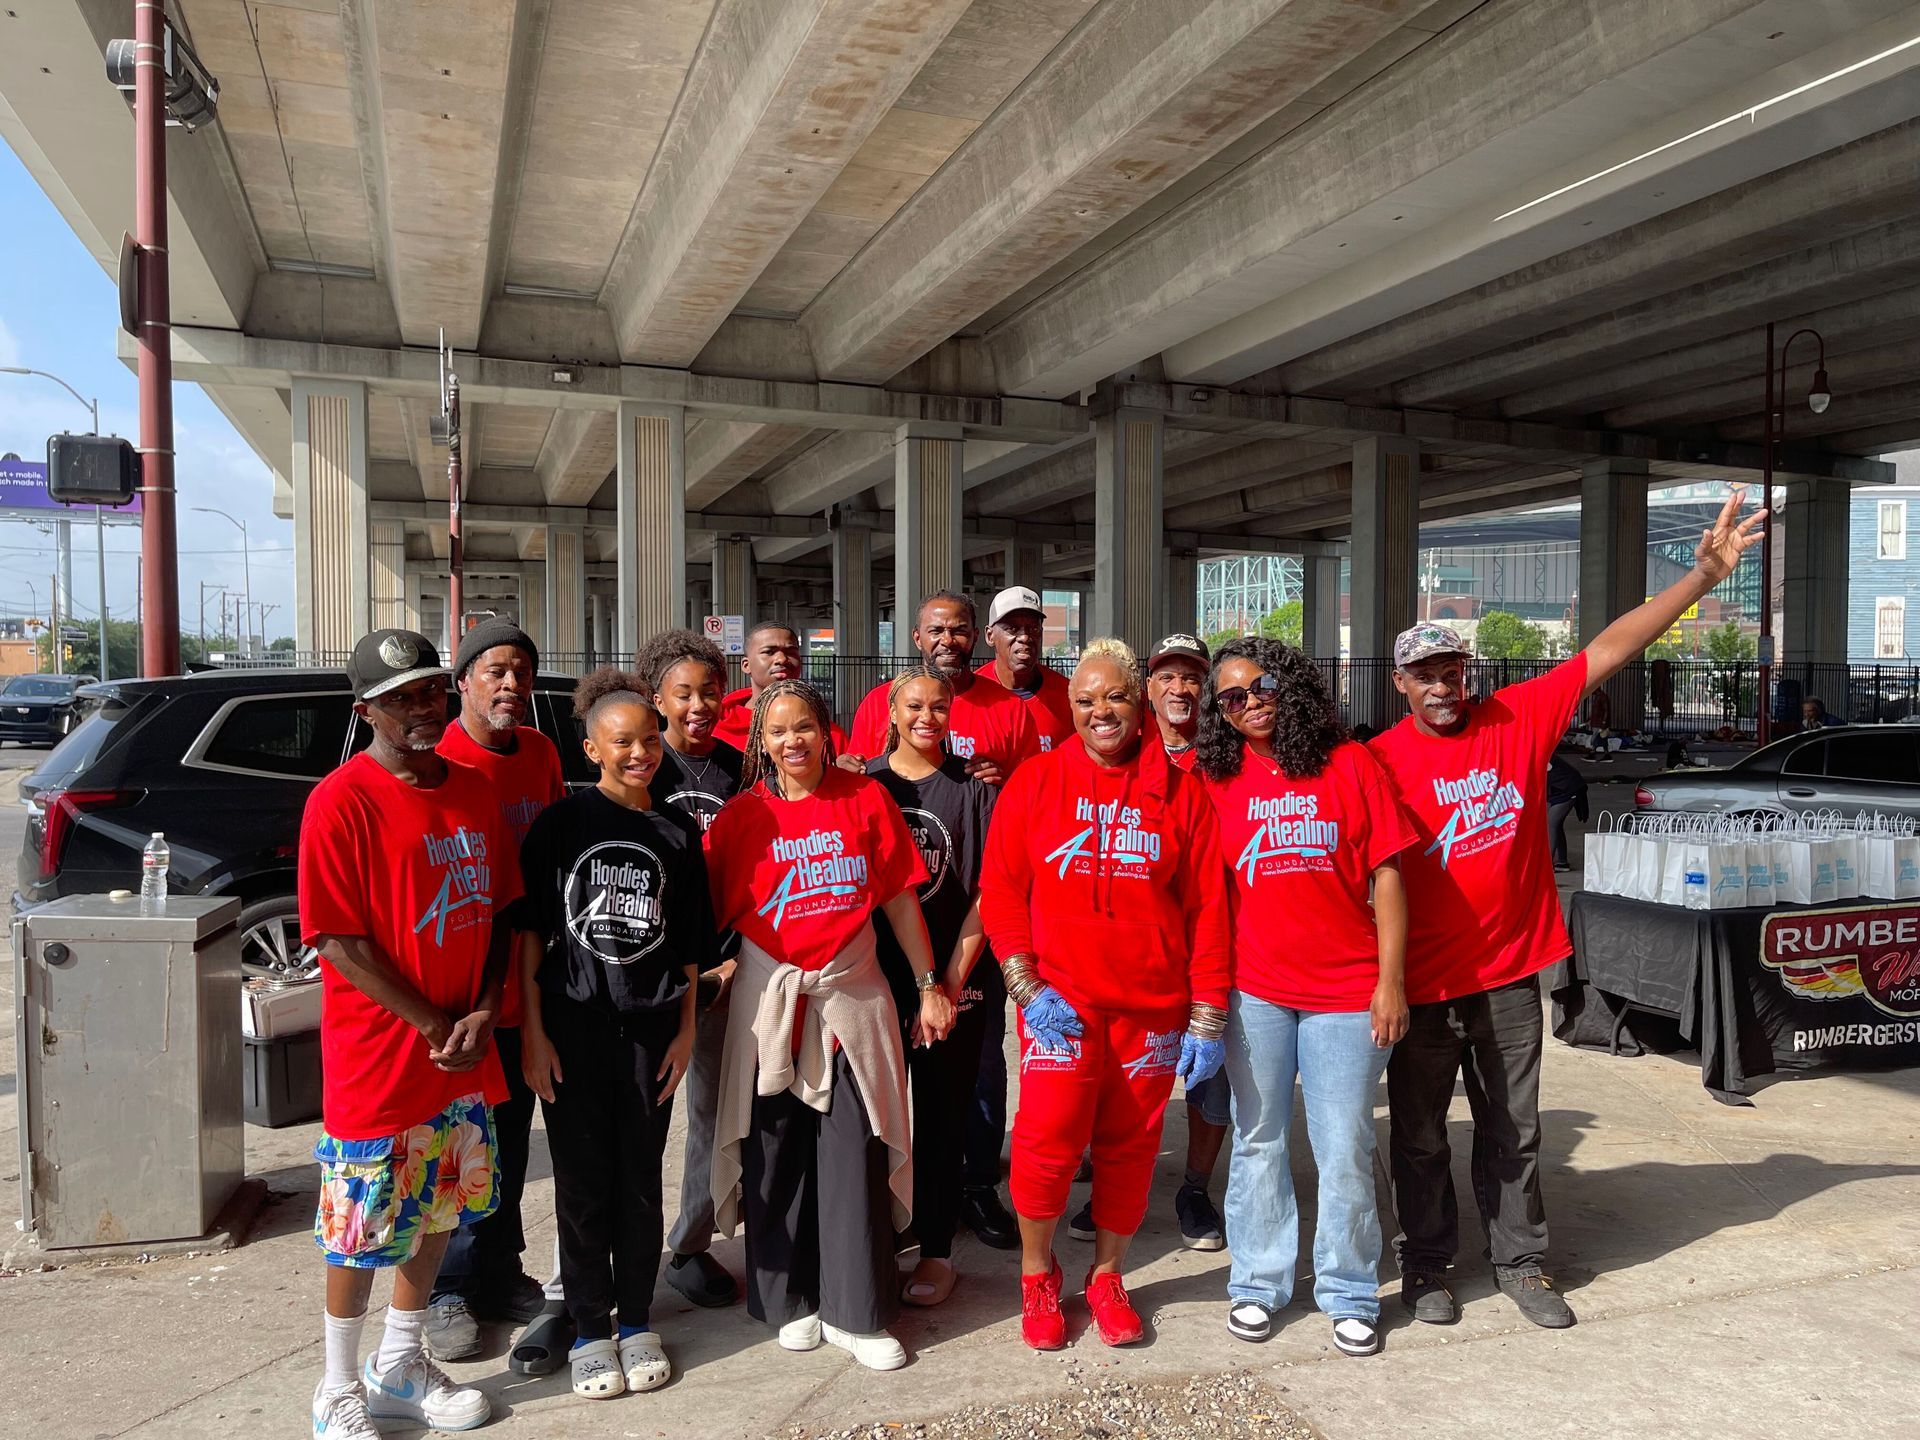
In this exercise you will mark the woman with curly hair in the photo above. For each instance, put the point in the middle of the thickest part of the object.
(1103, 894)
(616, 926)
(814, 1148)
(1311, 830)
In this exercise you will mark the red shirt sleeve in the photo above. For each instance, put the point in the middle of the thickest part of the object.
(1203, 882)
(1545, 705)
(1006, 872)
(332, 864)
(869, 736)
(726, 878)
(1389, 828)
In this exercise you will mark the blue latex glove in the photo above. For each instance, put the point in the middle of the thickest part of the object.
(1050, 1019)
(1199, 1059)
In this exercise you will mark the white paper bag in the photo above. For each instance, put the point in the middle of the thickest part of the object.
(1726, 873)
(1891, 866)
(1847, 878)
(1684, 872)
(1760, 889)
(1648, 864)
(1610, 852)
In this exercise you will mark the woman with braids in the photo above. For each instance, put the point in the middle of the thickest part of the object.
(1310, 829)
(617, 926)
(813, 1137)
(947, 812)
(685, 674)
(1105, 897)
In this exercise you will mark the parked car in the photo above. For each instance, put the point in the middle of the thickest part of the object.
(1851, 769)
(39, 709)
(222, 763)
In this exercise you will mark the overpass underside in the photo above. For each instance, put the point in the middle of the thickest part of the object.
(797, 307)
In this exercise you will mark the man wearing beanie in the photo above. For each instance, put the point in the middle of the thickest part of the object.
(481, 1277)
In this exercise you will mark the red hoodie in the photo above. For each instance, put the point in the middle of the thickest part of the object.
(1111, 879)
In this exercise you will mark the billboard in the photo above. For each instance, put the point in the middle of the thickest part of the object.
(23, 488)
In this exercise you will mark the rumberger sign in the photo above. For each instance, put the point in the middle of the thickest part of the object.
(1840, 958)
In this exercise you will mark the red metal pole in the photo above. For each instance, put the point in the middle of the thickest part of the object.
(159, 550)
(1765, 731)
(456, 606)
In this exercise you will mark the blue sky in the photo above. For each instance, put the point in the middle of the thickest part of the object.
(58, 312)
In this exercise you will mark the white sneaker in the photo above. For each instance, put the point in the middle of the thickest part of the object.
(801, 1334)
(342, 1414)
(878, 1351)
(418, 1390)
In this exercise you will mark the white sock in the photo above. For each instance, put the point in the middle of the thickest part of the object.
(400, 1342)
(343, 1351)
(552, 1287)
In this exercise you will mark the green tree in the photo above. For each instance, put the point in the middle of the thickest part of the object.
(1285, 624)
(1505, 636)
(284, 643)
(1728, 645)
(1730, 653)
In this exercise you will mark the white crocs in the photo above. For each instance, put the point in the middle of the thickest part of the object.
(877, 1351)
(801, 1334)
(596, 1370)
(645, 1363)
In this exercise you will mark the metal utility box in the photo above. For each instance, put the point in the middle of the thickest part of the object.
(128, 1051)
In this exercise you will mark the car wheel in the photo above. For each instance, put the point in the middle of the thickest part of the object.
(270, 943)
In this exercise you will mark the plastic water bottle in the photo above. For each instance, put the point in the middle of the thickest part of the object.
(1695, 894)
(153, 875)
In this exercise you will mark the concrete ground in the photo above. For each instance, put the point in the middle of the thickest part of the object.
(1739, 1272)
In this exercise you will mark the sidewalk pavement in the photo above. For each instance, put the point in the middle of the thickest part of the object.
(1739, 1272)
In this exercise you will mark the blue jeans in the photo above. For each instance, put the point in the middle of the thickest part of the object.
(1339, 1069)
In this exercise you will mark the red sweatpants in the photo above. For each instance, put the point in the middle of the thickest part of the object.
(1108, 1088)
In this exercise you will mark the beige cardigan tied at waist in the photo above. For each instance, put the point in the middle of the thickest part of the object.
(848, 1001)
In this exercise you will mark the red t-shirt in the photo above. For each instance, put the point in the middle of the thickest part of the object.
(421, 875)
(1151, 734)
(1048, 706)
(525, 780)
(986, 722)
(1482, 910)
(1302, 854)
(736, 719)
(800, 878)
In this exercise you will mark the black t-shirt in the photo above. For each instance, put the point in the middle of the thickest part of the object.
(947, 815)
(620, 897)
(698, 784)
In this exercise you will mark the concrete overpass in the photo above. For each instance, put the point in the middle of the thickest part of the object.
(803, 304)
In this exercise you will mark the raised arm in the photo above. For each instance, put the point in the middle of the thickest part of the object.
(1721, 546)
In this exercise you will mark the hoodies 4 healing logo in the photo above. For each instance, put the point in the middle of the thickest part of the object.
(821, 875)
(1486, 809)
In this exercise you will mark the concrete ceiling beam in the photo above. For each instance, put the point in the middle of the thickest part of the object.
(578, 453)
(722, 453)
(1229, 247)
(226, 357)
(778, 99)
(1848, 372)
(1125, 107)
(1877, 439)
(1852, 188)
(1854, 267)
(1067, 474)
(1851, 409)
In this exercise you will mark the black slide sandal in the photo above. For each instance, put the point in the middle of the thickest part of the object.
(543, 1345)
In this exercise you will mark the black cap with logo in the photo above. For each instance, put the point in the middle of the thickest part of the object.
(387, 659)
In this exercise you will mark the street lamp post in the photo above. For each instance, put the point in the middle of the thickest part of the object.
(246, 571)
(1819, 396)
(99, 524)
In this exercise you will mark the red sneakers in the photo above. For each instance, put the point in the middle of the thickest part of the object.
(1042, 1325)
(1113, 1313)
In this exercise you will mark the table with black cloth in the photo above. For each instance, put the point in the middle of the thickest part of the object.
(1702, 972)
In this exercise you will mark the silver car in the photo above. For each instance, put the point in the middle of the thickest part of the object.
(1852, 769)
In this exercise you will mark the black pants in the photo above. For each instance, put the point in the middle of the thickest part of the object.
(693, 1230)
(943, 1078)
(483, 1259)
(819, 1216)
(607, 1128)
(1494, 1038)
(987, 1116)
(1557, 814)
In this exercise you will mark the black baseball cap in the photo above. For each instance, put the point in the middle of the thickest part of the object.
(1178, 647)
(388, 659)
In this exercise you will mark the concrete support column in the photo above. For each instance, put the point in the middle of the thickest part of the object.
(411, 617)
(386, 568)
(1320, 606)
(1613, 568)
(929, 475)
(1023, 565)
(855, 627)
(566, 589)
(652, 501)
(332, 556)
(1814, 622)
(533, 605)
(734, 583)
(1181, 613)
(1386, 561)
(1128, 567)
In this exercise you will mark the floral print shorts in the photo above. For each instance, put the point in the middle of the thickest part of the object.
(380, 1198)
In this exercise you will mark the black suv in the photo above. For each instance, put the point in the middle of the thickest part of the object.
(222, 763)
(39, 709)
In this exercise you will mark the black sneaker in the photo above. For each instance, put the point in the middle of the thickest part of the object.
(1353, 1336)
(1249, 1320)
(520, 1301)
(983, 1214)
(703, 1280)
(1081, 1225)
(1427, 1296)
(1199, 1221)
(1533, 1292)
(450, 1331)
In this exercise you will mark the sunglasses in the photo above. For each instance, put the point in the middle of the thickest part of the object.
(1235, 700)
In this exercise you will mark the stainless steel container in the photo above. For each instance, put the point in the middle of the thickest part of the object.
(128, 1052)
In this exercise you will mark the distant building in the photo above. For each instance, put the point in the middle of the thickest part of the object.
(1883, 590)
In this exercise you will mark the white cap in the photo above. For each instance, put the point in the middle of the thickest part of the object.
(1014, 597)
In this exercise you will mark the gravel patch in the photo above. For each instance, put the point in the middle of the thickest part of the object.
(1207, 1407)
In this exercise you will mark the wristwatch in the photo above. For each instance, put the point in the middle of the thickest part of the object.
(928, 981)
